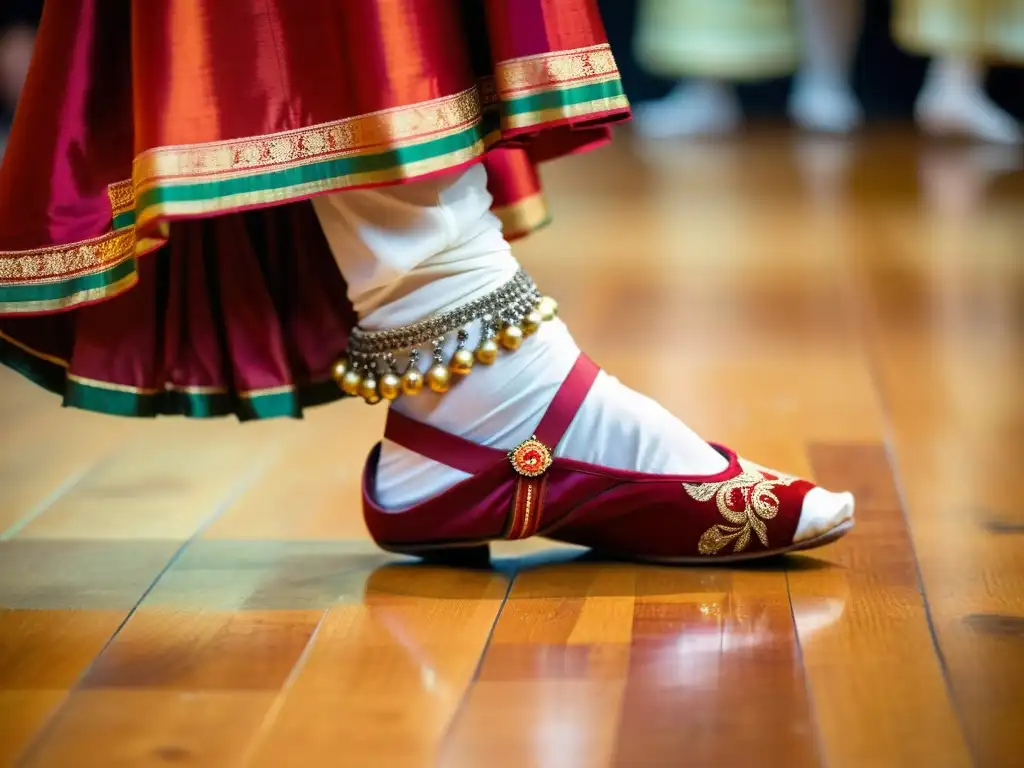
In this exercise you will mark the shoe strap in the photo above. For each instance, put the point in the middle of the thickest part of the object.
(442, 447)
(472, 458)
(567, 402)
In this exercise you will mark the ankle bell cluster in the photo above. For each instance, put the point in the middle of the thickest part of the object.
(370, 367)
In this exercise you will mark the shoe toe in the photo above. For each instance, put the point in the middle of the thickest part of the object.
(822, 511)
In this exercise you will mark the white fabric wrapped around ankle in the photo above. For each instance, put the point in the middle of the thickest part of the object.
(411, 250)
(407, 252)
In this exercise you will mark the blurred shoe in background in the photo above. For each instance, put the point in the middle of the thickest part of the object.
(722, 43)
(698, 108)
(961, 36)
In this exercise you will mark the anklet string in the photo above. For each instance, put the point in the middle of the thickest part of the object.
(370, 367)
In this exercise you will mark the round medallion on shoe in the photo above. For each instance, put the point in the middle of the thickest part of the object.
(531, 458)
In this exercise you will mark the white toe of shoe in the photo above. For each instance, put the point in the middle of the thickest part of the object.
(822, 511)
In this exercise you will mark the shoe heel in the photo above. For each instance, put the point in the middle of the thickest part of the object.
(477, 556)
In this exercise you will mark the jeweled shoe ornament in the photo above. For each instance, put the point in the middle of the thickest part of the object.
(507, 317)
(531, 458)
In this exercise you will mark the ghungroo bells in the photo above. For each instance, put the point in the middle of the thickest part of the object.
(507, 316)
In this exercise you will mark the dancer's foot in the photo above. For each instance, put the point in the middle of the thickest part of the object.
(824, 104)
(626, 475)
(429, 271)
(953, 102)
(701, 108)
(971, 114)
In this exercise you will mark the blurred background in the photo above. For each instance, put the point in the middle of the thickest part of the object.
(885, 72)
(810, 246)
(18, 19)
(745, 53)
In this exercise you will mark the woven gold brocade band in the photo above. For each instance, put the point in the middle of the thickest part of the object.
(530, 74)
(524, 96)
(370, 368)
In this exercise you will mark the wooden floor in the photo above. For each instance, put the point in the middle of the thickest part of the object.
(199, 593)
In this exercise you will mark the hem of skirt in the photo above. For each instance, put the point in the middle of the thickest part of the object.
(52, 279)
(524, 216)
(513, 235)
(198, 403)
(391, 147)
(564, 106)
(142, 220)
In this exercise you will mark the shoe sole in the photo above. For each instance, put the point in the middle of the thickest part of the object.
(477, 553)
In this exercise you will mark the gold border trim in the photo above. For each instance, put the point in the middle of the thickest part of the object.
(284, 389)
(34, 352)
(159, 210)
(521, 77)
(15, 308)
(367, 133)
(397, 128)
(149, 392)
(62, 262)
(122, 197)
(522, 216)
(565, 112)
(111, 387)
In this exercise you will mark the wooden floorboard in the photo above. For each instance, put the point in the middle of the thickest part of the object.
(945, 325)
(207, 594)
(865, 628)
(391, 667)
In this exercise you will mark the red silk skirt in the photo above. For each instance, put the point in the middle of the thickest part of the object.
(158, 253)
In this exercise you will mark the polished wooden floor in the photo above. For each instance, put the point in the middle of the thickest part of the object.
(200, 593)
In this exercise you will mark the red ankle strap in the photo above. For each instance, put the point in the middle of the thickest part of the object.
(458, 453)
(567, 402)
(443, 447)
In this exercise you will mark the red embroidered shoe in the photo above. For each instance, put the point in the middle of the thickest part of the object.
(743, 512)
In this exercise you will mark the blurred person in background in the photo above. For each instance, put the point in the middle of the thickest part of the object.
(17, 38)
(962, 36)
(716, 43)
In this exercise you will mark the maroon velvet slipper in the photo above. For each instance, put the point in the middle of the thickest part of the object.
(740, 513)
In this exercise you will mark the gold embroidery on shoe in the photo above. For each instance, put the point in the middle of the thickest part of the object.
(745, 501)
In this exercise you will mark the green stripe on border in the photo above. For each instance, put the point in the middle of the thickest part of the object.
(43, 373)
(323, 170)
(272, 405)
(124, 220)
(63, 289)
(538, 102)
(113, 402)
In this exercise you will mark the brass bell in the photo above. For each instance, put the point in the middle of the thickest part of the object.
(511, 337)
(350, 382)
(390, 386)
(439, 378)
(339, 370)
(412, 382)
(461, 363)
(368, 390)
(532, 322)
(487, 352)
(548, 308)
